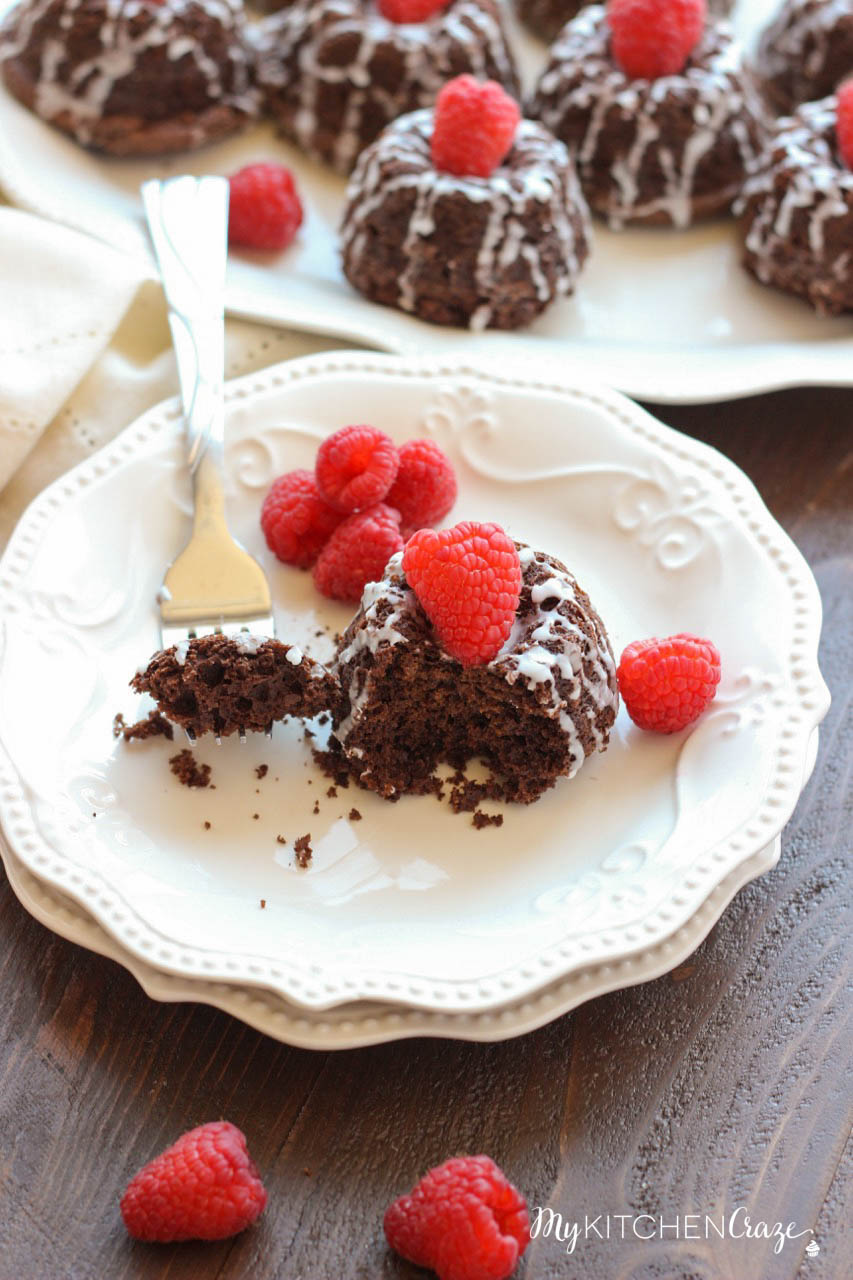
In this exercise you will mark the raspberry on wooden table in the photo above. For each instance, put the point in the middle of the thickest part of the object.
(667, 684)
(844, 122)
(404, 11)
(295, 520)
(464, 1220)
(358, 552)
(264, 210)
(468, 581)
(652, 38)
(204, 1187)
(474, 126)
(356, 467)
(425, 487)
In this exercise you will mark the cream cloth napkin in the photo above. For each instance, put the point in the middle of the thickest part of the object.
(62, 296)
(84, 349)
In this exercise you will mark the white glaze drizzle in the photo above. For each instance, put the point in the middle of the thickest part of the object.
(292, 47)
(129, 28)
(800, 172)
(588, 665)
(582, 75)
(544, 177)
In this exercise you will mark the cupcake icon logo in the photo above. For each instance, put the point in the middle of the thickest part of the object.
(812, 1248)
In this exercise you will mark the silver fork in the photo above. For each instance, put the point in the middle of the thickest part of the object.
(214, 585)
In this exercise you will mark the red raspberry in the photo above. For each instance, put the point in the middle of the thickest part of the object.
(296, 521)
(356, 467)
(204, 1187)
(652, 38)
(468, 580)
(844, 122)
(425, 488)
(358, 552)
(667, 684)
(264, 211)
(475, 123)
(410, 10)
(463, 1219)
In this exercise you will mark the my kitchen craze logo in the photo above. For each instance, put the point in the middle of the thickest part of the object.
(737, 1225)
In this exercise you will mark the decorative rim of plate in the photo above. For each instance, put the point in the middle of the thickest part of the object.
(784, 780)
(361, 1024)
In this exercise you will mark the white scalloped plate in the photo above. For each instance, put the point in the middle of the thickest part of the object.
(662, 315)
(355, 1025)
(410, 904)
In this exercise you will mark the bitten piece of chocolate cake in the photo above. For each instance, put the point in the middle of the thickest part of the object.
(222, 684)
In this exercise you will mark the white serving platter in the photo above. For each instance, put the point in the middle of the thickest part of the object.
(660, 314)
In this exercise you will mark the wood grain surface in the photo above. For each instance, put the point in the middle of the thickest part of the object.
(723, 1084)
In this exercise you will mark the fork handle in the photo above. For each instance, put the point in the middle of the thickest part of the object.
(188, 221)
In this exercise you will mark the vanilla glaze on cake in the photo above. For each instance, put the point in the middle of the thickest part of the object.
(533, 714)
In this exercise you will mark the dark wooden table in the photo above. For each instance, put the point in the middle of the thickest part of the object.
(725, 1084)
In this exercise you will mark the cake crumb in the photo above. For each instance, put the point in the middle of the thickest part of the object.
(207, 826)
(316, 808)
(332, 792)
(280, 840)
(354, 815)
(188, 771)
(333, 763)
(263, 903)
(481, 819)
(324, 718)
(155, 724)
(256, 815)
(262, 770)
(302, 849)
(466, 796)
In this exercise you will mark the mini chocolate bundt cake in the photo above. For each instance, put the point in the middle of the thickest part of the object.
(132, 77)
(805, 52)
(335, 72)
(482, 252)
(798, 211)
(664, 151)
